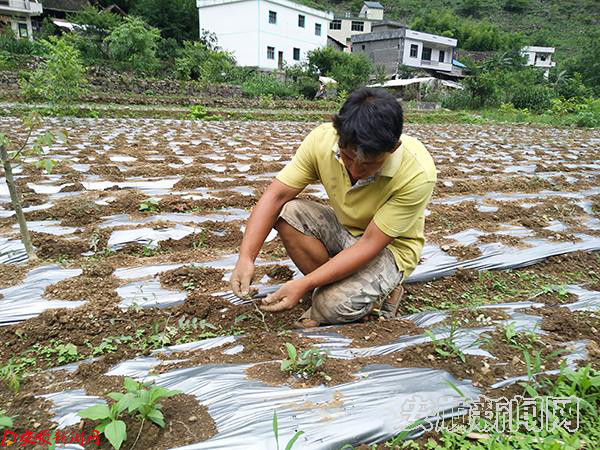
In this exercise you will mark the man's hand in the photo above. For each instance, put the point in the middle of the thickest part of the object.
(241, 278)
(285, 298)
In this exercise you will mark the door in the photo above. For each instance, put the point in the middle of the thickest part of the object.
(280, 60)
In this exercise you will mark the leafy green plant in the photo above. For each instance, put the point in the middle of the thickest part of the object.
(5, 421)
(199, 112)
(447, 347)
(11, 375)
(150, 205)
(306, 363)
(292, 441)
(140, 399)
(60, 79)
(149, 250)
(110, 425)
(200, 242)
(132, 45)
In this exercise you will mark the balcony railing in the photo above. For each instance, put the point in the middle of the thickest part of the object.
(26, 6)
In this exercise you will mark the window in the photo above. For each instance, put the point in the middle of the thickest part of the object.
(272, 17)
(542, 57)
(301, 20)
(426, 55)
(296, 54)
(23, 31)
(317, 29)
(363, 46)
(270, 52)
(442, 56)
(357, 26)
(335, 24)
(414, 50)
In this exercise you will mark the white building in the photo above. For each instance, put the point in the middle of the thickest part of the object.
(392, 44)
(539, 57)
(342, 28)
(18, 14)
(265, 33)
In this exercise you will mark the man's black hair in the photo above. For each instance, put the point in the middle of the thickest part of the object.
(370, 121)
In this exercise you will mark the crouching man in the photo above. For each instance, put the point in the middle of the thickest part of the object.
(354, 254)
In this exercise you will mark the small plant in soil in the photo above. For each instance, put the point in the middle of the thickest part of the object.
(11, 375)
(447, 347)
(292, 441)
(200, 243)
(524, 340)
(5, 421)
(148, 250)
(141, 400)
(305, 363)
(150, 205)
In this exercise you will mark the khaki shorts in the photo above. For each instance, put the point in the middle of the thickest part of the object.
(354, 297)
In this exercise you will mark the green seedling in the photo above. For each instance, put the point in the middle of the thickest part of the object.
(304, 364)
(141, 399)
(11, 375)
(5, 421)
(149, 205)
(447, 347)
(110, 425)
(200, 242)
(291, 442)
(524, 340)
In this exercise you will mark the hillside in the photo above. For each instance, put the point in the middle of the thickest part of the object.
(564, 24)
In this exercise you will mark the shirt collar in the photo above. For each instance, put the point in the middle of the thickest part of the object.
(389, 168)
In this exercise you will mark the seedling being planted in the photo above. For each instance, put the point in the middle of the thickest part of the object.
(306, 363)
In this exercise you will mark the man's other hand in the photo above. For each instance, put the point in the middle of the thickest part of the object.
(241, 278)
(285, 298)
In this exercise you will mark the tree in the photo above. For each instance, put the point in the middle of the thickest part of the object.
(350, 70)
(9, 154)
(177, 19)
(516, 6)
(60, 79)
(132, 45)
(470, 7)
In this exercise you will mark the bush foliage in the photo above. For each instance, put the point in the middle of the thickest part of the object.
(60, 79)
(132, 45)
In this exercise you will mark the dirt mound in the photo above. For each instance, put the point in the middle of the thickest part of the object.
(192, 278)
(49, 246)
(102, 290)
(377, 332)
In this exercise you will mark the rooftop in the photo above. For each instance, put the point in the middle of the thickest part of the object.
(374, 5)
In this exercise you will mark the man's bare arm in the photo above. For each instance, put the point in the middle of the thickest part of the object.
(261, 221)
(344, 264)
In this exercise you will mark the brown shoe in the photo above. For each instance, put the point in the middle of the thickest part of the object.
(391, 304)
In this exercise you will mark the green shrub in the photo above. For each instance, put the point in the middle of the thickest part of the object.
(587, 119)
(350, 70)
(13, 45)
(457, 100)
(132, 45)
(305, 79)
(199, 112)
(197, 61)
(470, 7)
(261, 85)
(90, 38)
(471, 34)
(60, 79)
(516, 6)
(535, 98)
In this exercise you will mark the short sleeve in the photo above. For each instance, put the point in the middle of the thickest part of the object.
(302, 169)
(399, 214)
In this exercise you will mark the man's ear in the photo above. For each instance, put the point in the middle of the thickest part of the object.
(396, 147)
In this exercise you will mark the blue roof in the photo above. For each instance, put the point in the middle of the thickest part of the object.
(457, 63)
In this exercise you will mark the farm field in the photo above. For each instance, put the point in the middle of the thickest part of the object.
(137, 229)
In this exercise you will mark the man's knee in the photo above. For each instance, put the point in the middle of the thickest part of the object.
(331, 305)
(292, 210)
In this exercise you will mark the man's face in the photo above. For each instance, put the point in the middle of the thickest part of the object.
(359, 168)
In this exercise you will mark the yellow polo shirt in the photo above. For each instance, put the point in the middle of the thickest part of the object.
(395, 198)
